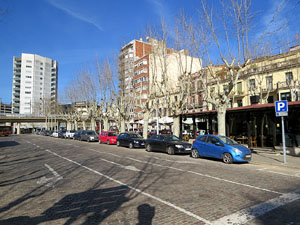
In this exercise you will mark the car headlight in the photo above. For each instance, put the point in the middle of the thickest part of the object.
(237, 151)
(136, 142)
(179, 146)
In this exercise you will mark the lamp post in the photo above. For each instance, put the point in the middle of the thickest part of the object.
(157, 124)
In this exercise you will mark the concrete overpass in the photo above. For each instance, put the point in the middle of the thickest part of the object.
(30, 118)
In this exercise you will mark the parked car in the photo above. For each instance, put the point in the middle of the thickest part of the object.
(54, 134)
(69, 133)
(220, 147)
(130, 140)
(61, 133)
(76, 135)
(88, 135)
(109, 137)
(167, 143)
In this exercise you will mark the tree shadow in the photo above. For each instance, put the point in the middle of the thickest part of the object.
(8, 144)
(96, 205)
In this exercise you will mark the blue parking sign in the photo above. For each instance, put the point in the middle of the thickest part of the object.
(281, 108)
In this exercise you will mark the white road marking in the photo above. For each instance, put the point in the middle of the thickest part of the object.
(122, 166)
(168, 160)
(108, 153)
(205, 175)
(52, 180)
(133, 188)
(246, 215)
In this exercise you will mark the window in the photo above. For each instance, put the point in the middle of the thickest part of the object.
(28, 61)
(27, 92)
(175, 97)
(269, 82)
(27, 66)
(202, 138)
(240, 103)
(252, 83)
(41, 73)
(41, 78)
(254, 99)
(288, 77)
(286, 96)
(27, 87)
(239, 88)
(28, 76)
(270, 99)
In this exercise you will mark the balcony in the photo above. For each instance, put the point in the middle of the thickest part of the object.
(16, 105)
(16, 89)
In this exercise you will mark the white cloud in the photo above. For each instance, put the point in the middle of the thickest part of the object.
(74, 14)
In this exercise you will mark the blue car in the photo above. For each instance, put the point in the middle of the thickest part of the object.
(220, 147)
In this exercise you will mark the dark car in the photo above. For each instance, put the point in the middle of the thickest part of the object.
(167, 143)
(61, 133)
(76, 135)
(130, 140)
(88, 135)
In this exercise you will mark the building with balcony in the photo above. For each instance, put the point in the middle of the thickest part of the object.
(251, 111)
(34, 89)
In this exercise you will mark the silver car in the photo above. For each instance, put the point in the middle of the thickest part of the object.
(88, 135)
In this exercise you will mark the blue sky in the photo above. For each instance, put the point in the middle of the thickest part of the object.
(73, 32)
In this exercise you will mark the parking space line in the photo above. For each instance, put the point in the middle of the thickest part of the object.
(205, 175)
(246, 215)
(133, 188)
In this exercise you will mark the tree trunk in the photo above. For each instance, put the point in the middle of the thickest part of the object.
(221, 112)
(93, 124)
(176, 126)
(105, 123)
(69, 125)
(83, 125)
(76, 124)
(145, 125)
(122, 127)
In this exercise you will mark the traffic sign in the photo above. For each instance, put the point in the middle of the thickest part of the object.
(281, 108)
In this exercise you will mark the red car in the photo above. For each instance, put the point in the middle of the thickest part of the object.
(109, 137)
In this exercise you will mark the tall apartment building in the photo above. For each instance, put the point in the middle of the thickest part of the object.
(131, 52)
(34, 89)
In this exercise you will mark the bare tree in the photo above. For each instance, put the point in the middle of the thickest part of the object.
(107, 90)
(230, 31)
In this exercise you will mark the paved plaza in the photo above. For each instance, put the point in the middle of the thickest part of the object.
(45, 180)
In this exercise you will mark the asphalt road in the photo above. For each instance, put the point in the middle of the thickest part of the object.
(45, 180)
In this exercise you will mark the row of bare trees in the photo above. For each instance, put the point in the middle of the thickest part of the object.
(213, 36)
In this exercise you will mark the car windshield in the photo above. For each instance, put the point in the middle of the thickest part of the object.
(91, 133)
(172, 138)
(112, 134)
(228, 141)
(135, 136)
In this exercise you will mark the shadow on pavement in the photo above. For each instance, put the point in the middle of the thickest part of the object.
(96, 205)
(8, 144)
(146, 214)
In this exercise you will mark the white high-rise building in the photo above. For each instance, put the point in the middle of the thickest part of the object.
(34, 89)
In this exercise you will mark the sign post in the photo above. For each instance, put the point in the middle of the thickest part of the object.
(281, 109)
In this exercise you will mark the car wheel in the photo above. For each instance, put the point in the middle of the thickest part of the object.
(170, 150)
(195, 153)
(130, 145)
(118, 143)
(108, 142)
(227, 158)
(148, 148)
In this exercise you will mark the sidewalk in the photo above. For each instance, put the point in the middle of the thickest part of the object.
(273, 157)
